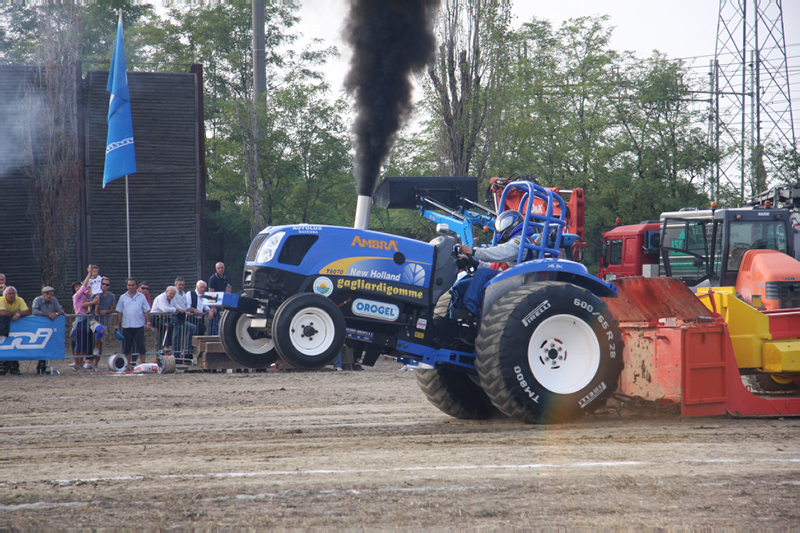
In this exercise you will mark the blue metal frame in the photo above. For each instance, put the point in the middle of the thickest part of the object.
(460, 226)
(432, 356)
(560, 270)
(535, 223)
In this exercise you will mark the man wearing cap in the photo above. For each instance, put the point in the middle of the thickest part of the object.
(15, 308)
(46, 305)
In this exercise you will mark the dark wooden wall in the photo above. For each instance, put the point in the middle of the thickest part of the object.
(166, 195)
(19, 85)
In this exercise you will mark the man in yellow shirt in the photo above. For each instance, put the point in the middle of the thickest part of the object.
(16, 308)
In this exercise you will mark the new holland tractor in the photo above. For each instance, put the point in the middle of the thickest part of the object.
(546, 348)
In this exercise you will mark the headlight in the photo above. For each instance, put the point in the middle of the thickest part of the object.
(267, 250)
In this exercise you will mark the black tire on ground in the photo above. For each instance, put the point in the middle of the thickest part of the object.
(770, 383)
(455, 393)
(308, 330)
(239, 344)
(548, 352)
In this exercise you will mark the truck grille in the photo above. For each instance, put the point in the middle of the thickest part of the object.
(786, 292)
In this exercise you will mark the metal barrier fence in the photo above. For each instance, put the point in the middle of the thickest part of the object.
(90, 336)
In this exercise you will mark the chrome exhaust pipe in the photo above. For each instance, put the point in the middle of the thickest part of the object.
(363, 210)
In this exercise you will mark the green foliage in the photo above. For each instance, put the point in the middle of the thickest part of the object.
(96, 25)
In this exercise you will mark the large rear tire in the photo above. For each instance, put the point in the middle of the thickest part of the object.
(455, 393)
(237, 340)
(548, 352)
(308, 330)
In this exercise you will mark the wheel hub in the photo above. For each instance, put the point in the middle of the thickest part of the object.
(308, 330)
(563, 354)
(552, 352)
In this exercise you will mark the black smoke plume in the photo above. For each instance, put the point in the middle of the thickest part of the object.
(391, 39)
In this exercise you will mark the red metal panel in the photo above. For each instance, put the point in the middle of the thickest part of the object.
(784, 323)
(704, 384)
(649, 299)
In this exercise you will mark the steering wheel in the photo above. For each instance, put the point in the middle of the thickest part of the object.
(465, 262)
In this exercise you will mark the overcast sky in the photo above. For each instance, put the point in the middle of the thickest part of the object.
(678, 28)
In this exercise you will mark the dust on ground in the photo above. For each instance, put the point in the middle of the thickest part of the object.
(366, 450)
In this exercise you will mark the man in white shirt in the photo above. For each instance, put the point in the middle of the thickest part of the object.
(200, 306)
(133, 317)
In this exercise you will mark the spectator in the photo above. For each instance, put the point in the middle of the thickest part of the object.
(15, 308)
(133, 317)
(218, 282)
(229, 289)
(83, 301)
(184, 330)
(46, 305)
(164, 305)
(200, 306)
(96, 283)
(144, 288)
(103, 309)
(2, 283)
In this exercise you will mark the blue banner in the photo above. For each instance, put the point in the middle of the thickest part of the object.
(34, 338)
(120, 153)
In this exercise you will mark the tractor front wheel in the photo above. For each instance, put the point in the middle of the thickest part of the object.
(244, 344)
(308, 330)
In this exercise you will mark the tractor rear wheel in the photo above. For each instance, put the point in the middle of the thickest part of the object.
(308, 330)
(548, 352)
(243, 344)
(455, 393)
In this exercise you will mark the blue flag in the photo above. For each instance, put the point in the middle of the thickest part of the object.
(120, 154)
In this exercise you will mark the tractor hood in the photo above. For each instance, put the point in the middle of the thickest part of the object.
(342, 258)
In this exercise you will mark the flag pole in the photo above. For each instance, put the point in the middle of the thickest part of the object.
(128, 223)
(120, 153)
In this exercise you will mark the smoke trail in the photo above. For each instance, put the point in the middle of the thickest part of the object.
(391, 39)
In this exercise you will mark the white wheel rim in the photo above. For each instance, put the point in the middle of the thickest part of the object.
(312, 331)
(564, 354)
(248, 343)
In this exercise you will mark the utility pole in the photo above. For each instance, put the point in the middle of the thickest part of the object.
(752, 78)
(259, 53)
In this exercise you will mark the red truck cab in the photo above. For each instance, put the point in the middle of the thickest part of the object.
(630, 251)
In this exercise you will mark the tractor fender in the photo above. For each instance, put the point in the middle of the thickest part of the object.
(545, 270)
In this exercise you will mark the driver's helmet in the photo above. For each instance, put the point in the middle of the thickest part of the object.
(508, 223)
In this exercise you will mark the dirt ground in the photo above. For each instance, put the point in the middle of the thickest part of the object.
(366, 450)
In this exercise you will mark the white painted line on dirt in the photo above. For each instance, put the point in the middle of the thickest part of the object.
(599, 464)
(366, 492)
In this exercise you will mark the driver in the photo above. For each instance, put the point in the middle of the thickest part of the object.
(468, 292)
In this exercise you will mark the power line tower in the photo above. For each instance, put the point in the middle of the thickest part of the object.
(751, 103)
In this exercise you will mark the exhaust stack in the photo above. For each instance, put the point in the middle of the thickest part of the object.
(363, 209)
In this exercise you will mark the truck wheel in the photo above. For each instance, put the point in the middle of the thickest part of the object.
(308, 330)
(238, 342)
(455, 393)
(548, 352)
(772, 383)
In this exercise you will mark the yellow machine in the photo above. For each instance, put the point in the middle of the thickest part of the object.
(764, 342)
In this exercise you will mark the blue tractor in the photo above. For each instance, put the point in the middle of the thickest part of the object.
(546, 348)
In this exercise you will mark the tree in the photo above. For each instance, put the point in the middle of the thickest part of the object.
(50, 142)
(466, 83)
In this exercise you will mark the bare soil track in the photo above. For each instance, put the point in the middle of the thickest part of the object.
(366, 450)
